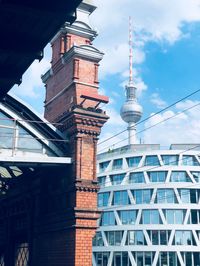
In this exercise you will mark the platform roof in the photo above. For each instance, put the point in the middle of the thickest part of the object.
(26, 26)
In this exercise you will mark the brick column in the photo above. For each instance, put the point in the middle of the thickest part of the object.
(83, 127)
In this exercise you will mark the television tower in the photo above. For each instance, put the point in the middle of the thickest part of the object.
(131, 110)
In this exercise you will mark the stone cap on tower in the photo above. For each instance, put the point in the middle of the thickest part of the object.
(87, 6)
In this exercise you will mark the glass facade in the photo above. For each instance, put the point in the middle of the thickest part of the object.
(128, 217)
(133, 161)
(117, 179)
(103, 166)
(121, 198)
(136, 177)
(150, 212)
(157, 176)
(15, 137)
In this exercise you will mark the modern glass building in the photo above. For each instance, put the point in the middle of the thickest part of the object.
(150, 206)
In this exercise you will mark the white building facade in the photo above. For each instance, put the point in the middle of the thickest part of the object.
(150, 206)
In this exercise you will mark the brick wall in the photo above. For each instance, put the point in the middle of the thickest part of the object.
(69, 80)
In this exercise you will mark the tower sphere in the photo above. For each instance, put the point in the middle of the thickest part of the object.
(131, 110)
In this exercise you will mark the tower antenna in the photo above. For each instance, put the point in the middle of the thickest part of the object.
(131, 111)
(130, 52)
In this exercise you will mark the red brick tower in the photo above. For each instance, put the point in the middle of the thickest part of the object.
(72, 100)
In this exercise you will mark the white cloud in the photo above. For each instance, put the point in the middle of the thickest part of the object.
(157, 101)
(137, 80)
(183, 128)
(31, 80)
(153, 20)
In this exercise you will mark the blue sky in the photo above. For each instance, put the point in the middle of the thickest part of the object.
(166, 66)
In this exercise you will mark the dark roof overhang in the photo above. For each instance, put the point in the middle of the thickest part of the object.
(26, 26)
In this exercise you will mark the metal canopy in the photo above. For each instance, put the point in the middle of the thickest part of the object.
(26, 26)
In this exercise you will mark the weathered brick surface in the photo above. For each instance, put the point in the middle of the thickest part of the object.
(64, 105)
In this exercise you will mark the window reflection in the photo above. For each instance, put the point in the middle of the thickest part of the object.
(151, 160)
(166, 196)
(114, 238)
(180, 176)
(120, 198)
(128, 216)
(133, 161)
(174, 216)
(183, 238)
(117, 164)
(150, 217)
(108, 218)
(189, 160)
(170, 159)
(196, 176)
(142, 196)
(136, 177)
(97, 240)
(117, 179)
(103, 166)
(157, 176)
(103, 199)
(135, 238)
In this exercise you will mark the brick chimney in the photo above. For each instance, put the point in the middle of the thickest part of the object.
(72, 100)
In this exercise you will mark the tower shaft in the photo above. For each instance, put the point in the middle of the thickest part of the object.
(131, 111)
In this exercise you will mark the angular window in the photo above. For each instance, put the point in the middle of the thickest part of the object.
(108, 218)
(135, 238)
(144, 258)
(114, 238)
(103, 166)
(97, 240)
(189, 195)
(170, 159)
(179, 176)
(142, 196)
(155, 237)
(163, 258)
(157, 176)
(163, 237)
(117, 179)
(194, 217)
(183, 238)
(128, 216)
(121, 198)
(150, 217)
(189, 160)
(121, 259)
(136, 177)
(101, 258)
(165, 196)
(133, 161)
(102, 181)
(159, 237)
(196, 176)
(196, 256)
(117, 164)
(151, 160)
(175, 216)
(103, 199)
(184, 195)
